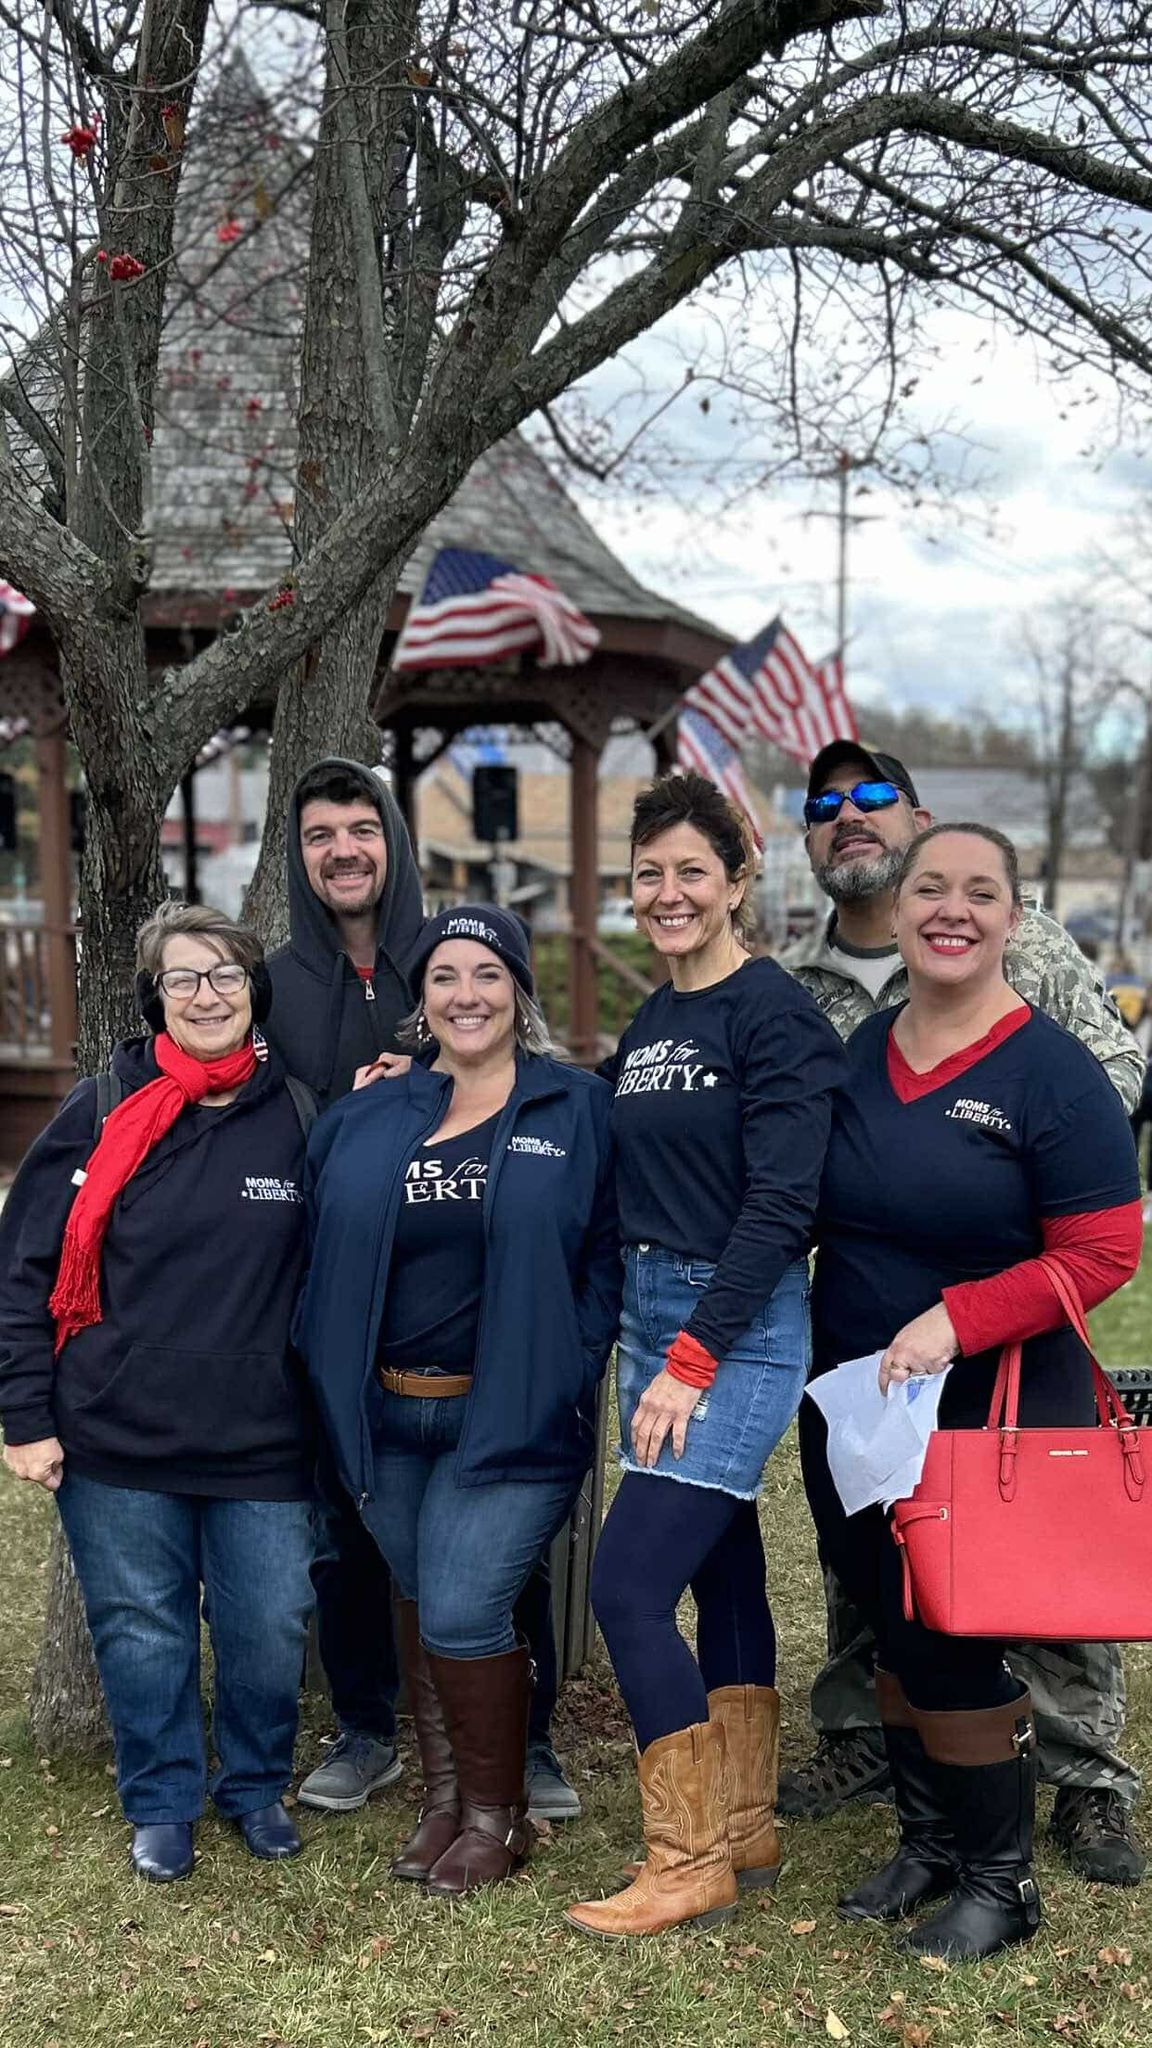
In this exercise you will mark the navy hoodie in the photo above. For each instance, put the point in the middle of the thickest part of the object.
(552, 1269)
(325, 1020)
(188, 1384)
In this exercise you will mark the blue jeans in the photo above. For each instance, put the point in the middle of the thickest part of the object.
(463, 1553)
(141, 1559)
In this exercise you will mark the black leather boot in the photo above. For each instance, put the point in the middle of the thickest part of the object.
(924, 1866)
(162, 1851)
(986, 1761)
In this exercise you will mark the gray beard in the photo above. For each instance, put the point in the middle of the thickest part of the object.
(856, 881)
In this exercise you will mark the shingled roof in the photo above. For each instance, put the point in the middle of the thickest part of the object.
(224, 444)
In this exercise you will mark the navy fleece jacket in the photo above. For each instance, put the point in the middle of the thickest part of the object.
(552, 1269)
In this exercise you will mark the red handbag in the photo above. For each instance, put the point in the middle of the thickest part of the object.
(1032, 1534)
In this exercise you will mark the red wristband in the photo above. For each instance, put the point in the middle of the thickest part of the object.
(688, 1361)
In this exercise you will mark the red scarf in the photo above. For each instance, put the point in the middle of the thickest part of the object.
(129, 1134)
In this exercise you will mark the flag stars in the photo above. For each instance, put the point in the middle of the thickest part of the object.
(710, 1080)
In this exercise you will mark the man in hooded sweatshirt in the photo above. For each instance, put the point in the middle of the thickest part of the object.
(355, 911)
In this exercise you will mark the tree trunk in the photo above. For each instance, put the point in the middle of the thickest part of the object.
(66, 1705)
(122, 881)
(322, 708)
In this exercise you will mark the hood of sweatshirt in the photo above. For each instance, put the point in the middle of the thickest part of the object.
(315, 934)
(325, 1022)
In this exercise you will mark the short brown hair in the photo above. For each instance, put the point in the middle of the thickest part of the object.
(999, 840)
(690, 799)
(195, 921)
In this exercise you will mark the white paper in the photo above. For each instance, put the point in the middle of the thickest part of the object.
(877, 1442)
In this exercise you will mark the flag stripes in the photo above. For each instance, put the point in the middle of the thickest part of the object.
(476, 609)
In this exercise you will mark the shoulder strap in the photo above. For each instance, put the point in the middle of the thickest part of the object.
(303, 1102)
(110, 1093)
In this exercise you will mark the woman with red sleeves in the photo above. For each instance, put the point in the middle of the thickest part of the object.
(973, 1134)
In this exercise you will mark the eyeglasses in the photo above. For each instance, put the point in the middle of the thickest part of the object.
(184, 982)
(867, 796)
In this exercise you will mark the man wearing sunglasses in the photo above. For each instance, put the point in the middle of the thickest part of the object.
(861, 811)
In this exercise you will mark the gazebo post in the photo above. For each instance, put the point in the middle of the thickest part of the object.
(584, 901)
(188, 817)
(56, 891)
(404, 776)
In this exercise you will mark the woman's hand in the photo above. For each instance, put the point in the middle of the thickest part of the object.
(42, 1462)
(665, 1405)
(927, 1344)
(389, 1066)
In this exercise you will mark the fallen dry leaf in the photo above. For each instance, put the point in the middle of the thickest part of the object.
(834, 2026)
(915, 2036)
(802, 1927)
(1114, 1956)
(934, 1963)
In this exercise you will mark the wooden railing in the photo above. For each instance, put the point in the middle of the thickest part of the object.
(37, 991)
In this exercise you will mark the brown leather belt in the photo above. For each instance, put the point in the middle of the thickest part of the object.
(425, 1386)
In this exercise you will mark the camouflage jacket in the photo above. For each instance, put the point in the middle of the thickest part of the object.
(1042, 963)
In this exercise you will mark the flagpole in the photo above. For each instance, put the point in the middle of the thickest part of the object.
(843, 467)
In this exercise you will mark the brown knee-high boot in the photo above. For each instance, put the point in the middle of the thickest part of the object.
(439, 1822)
(485, 1704)
(687, 1873)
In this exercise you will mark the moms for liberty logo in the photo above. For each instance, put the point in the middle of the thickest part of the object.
(664, 1067)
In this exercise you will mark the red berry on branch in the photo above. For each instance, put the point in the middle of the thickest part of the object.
(229, 231)
(125, 269)
(80, 139)
(254, 406)
(282, 599)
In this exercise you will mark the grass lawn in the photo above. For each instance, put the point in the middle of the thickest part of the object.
(327, 1953)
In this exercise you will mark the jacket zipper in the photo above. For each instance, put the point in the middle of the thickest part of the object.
(401, 1168)
(500, 1151)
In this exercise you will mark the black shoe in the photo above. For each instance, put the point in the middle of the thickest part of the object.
(162, 1851)
(269, 1833)
(1094, 1832)
(924, 1866)
(842, 1767)
(990, 1797)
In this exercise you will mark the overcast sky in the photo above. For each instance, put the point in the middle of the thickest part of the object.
(937, 600)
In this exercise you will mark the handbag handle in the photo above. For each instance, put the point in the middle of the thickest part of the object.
(1004, 1408)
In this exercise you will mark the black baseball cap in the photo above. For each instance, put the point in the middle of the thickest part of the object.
(884, 767)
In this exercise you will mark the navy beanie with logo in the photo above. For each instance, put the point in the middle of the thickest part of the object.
(500, 930)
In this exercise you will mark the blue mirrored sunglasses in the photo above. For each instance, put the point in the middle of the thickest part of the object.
(867, 796)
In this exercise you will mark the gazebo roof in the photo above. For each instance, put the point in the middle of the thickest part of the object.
(224, 443)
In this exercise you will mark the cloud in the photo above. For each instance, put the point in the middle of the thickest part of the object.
(937, 602)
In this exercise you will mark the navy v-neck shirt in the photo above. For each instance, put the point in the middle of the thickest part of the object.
(918, 1196)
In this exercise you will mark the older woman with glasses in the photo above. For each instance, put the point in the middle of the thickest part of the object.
(150, 1254)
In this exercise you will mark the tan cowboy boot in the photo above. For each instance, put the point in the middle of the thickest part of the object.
(687, 1874)
(750, 1718)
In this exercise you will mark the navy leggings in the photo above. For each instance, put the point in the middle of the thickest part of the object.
(661, 1537)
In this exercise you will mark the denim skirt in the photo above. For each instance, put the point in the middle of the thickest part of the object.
(740, 1418)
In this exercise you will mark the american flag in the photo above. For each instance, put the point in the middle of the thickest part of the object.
(702, 746)
(476, 609)
(768, 686)
(16, 615)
